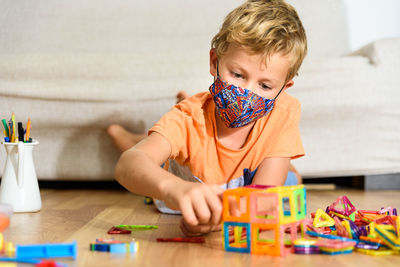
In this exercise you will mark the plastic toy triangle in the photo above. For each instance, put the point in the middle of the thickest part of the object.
(398, 226)
(388, 235)
(322, 219)
(342, 205)
(340, 229)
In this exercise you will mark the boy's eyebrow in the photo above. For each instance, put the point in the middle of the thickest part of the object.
(268, 80)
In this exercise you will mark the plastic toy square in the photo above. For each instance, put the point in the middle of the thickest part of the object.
(241, 237)
(287, 202)
(292, 229)
(236, 204)
(335, 244)
(286, 206)
(263, 208)
(269, 242)
(299, 196)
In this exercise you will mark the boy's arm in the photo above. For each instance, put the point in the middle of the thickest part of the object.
(272, 171)
(138, 170)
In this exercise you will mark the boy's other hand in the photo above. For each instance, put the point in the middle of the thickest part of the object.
(200, 204)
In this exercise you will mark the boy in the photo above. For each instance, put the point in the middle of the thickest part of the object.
(243, 131)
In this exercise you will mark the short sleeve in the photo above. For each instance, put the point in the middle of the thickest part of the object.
(173, 127)
(287, 140)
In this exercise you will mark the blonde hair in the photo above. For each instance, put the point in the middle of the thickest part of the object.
(264, 26)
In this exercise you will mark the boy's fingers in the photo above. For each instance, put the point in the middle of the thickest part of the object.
(217, 190)
(217, 227)
(204, 229)
(215, 205)
(188, 230)
(196, 230)
(188, 212)
(233, 207)
(201, 209)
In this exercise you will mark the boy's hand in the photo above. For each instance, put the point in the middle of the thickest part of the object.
(200, 204)
(198, 230)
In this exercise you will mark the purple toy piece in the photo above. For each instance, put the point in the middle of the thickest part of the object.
(355, 230)
(327, 210)
(389, 210)
(363, 231)
(259, 186)
(368, 246)
(306, 250)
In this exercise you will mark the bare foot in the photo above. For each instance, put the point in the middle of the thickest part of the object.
(123, 139)
(181, 95)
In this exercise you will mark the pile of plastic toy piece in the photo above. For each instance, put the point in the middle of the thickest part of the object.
(342, 229)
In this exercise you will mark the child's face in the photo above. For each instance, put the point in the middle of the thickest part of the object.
(242, 69)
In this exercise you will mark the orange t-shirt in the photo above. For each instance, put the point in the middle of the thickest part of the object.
(190, 128)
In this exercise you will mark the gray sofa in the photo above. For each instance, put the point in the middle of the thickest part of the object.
(75, 67)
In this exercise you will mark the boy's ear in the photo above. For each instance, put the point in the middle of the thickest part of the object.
(288, 84)
(213, 62)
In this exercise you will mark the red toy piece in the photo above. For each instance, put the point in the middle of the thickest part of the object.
(183, 239)
(115, 231)
(47, 264)
(386, 220)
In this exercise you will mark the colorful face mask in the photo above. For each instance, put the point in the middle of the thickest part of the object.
(237, 106)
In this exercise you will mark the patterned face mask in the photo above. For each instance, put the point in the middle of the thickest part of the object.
(238, 106)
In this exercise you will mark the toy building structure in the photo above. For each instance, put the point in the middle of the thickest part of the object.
(251, 213)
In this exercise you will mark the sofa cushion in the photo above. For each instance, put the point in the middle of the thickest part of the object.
(350, 112)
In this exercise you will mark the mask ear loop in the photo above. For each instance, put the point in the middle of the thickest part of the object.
(215, 78)
(280, 91)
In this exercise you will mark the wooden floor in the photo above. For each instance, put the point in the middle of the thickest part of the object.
(84, 215)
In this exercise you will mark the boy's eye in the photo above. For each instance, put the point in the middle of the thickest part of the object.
(237, 75)
(265, 87)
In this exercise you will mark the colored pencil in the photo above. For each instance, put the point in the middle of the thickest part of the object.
(183, 239)
(7, 132)
(28, 130)
(13, 125)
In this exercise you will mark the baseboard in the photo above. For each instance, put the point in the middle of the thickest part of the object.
(382, 182)
(368, 182)
(342, 182)
(85, 185)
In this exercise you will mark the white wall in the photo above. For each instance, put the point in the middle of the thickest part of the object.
(371, 19)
